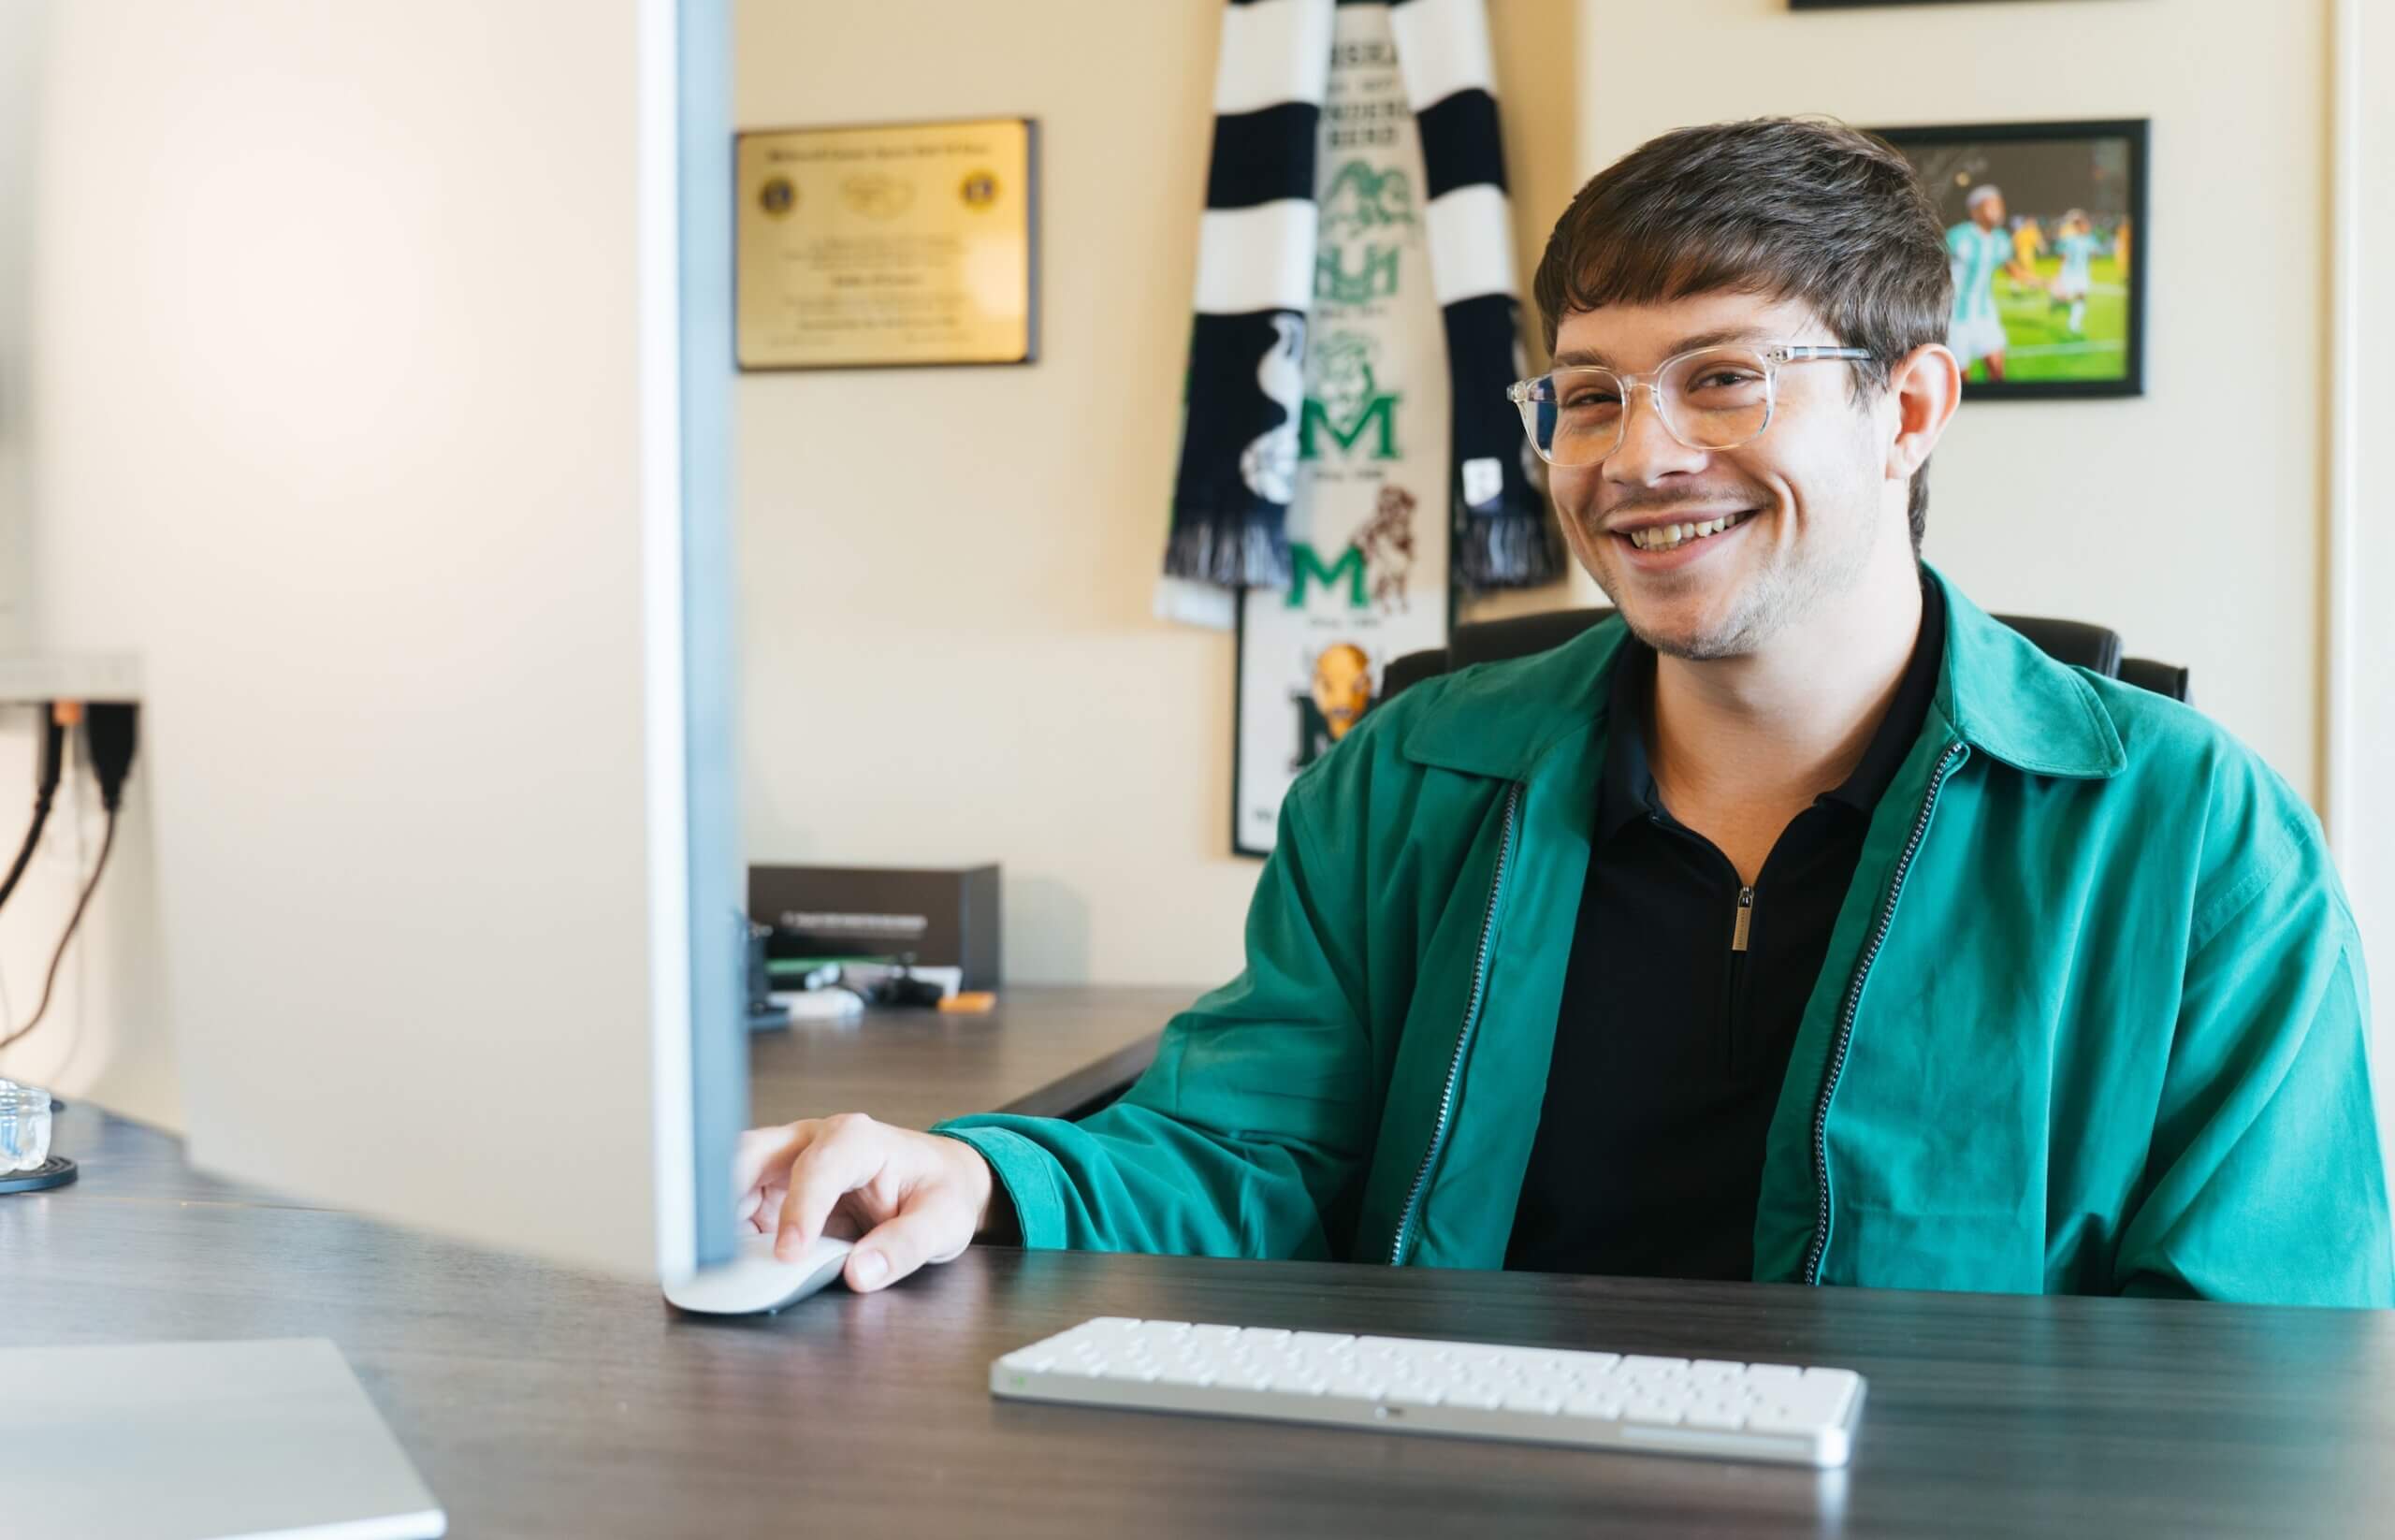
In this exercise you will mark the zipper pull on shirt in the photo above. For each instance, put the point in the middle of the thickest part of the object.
(1746, 915)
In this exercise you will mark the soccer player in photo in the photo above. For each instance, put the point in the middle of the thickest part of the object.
(2078, 244)
(1977, 250)
(2028, 244)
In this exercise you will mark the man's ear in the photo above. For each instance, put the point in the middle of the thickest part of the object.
(1927, 385)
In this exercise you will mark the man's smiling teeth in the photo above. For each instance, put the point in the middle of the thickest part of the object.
(1664, 537)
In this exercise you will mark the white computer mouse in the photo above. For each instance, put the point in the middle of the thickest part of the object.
(754, 1283)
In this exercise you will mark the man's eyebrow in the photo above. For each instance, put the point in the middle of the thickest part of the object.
(1593, 358)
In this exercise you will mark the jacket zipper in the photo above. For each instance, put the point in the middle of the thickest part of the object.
(1464, 1038)
(1812, 1274)
(1735, 1016)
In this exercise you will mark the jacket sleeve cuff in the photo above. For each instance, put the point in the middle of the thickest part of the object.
(1028, 1173)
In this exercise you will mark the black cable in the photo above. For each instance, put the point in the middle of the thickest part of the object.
(108, 734)
(108, 842)
(49, 755)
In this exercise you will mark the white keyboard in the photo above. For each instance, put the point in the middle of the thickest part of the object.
(1599, 1400)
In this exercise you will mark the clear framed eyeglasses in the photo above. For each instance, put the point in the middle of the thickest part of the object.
(1712, 397)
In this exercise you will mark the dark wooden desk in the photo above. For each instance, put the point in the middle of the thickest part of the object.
(540, 1401)
(1045, 1051)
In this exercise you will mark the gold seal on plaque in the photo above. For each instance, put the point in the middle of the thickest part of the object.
(896, 243)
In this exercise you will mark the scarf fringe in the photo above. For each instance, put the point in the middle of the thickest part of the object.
(1235, 550)
(1512, 547)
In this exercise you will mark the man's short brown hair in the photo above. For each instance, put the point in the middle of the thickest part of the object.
(1791, 208)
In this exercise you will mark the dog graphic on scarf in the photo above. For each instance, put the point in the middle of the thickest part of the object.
(1386, 542)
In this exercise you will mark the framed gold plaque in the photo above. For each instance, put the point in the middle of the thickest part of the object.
(908, 243)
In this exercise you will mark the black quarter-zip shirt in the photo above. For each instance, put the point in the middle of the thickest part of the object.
(1681, 1002)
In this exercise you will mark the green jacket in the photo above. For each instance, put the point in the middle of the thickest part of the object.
(2093, 1018)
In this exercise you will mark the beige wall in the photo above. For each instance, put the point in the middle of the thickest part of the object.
(947, 573)
(2190, 519)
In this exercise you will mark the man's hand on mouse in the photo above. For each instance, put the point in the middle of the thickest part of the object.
(906, 1198)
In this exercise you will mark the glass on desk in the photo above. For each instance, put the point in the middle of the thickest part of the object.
(24, 1127)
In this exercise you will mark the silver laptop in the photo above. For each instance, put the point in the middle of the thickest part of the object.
(201, 1440)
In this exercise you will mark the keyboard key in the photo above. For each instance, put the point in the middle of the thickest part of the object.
(1827, 1393)
(1353, 1389)
(1646, 1368)
(1535, 1370)
(1784, 1420)
(1651, 1409)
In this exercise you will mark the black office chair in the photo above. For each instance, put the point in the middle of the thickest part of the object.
(1486, 641)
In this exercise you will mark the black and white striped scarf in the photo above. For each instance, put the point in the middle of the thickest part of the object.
(1255, 276)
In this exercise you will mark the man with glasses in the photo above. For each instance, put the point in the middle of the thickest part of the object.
(1800, 923)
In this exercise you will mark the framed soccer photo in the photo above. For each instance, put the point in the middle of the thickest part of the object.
(2046, 235)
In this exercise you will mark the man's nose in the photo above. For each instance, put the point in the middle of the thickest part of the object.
(1648, 451)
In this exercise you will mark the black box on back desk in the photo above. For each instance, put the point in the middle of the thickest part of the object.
(946, 918)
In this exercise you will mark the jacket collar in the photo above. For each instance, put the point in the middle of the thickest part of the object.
(2000, 694)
